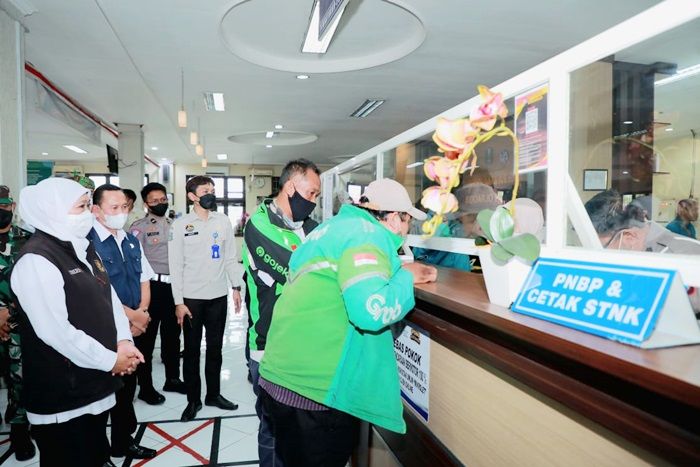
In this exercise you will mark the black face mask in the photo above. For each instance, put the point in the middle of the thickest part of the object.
(208, 202)
(159, 209)
(5, 218)
(300, 206)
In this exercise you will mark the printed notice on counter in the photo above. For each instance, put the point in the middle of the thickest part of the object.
(412, 349)
(645, 307)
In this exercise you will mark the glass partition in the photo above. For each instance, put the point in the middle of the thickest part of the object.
(633, 147)
(349, 185)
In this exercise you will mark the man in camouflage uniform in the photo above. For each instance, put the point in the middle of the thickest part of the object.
(12, 238)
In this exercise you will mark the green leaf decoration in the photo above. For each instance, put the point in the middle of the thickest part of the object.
(484, 220)
(500, 255)
(501, 225)
(481, 241)
(525, 246)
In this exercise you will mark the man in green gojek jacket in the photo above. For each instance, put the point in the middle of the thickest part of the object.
(329, 358)
(277, 228)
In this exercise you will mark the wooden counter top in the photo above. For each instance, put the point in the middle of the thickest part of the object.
(674, 372)
(649, 397)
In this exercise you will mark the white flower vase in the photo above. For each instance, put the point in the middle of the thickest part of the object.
(503, 282)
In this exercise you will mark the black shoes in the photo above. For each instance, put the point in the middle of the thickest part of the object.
(134, 451)
(191, 411)
(220, 402)
(151, 397)
(21, 442)
(175, 385)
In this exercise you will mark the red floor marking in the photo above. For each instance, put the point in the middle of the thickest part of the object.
(178, 442)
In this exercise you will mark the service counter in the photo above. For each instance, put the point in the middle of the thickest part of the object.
(507, 389)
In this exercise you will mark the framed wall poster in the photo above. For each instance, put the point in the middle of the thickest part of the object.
(595, 179)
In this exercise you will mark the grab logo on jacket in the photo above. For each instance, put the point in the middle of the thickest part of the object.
(376, 307)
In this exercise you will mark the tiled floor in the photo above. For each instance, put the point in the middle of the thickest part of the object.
(216, 437)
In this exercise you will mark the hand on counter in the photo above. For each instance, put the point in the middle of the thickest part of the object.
(422, 273)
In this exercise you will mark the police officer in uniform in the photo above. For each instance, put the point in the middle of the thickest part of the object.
(152, 231)
(12, 238)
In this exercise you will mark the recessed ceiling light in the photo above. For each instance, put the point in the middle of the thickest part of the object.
(214, 101)
(302, 76)
(154, 148)
(279, 127)
(163, 159)
(669, 129)
(269, 134)
(628, 122)
(222, 157)
(625, 172)
(75, 149)
(268, 146)
(44, 153)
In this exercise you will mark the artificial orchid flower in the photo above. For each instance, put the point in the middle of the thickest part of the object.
(492, 107)
(439, 200)
(453, 135)
(443, 171)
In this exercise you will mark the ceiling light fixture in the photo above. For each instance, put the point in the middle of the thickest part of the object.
(75, 149)
(302, 76)
(669, 129)
(199, 150)
(627, 122)
(279, 127)
(154, 148)
(324, 20)
(44, 153)
(415, 164)
(269, 134)
(268, 146)
(214, 101)
(193, 138)
(679, 75)
(222, 157)
(182, 114)
(204, 163)
(367, 107)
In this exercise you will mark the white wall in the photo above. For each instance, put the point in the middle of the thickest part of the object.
(675, 156)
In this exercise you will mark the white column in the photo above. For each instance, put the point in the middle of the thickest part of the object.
(131, 161)
(12, 163)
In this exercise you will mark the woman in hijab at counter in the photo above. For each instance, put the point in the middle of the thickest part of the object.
(75, 335)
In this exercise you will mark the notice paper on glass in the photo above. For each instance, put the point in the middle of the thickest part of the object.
(644, 307)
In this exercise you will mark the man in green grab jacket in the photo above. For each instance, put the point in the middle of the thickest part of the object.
(329, 358)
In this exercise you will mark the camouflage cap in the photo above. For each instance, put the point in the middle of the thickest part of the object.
(5, 195)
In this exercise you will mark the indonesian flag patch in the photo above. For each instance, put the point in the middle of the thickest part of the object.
(365, 259)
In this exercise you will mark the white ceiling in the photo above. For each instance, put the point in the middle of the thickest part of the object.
(121, 59)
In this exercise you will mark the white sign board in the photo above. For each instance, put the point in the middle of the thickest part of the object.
(412, 349)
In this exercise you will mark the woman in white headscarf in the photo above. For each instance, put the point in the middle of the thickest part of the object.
(75, 335)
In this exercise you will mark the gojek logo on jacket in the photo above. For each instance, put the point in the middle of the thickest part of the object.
(260, 251)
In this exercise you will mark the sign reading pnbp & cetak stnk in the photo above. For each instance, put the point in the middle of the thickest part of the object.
(640, 306)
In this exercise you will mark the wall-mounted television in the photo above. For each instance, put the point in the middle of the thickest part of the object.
(112, 160)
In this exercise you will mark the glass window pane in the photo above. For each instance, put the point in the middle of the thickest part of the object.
(219, 186)
(98, 180)
(234, 186)
(633, 144)
(114, 180)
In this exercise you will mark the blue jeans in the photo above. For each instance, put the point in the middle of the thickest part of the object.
(266, 440)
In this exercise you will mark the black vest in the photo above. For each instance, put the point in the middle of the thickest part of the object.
(52, 383)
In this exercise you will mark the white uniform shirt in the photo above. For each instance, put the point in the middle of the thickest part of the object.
(202, 257)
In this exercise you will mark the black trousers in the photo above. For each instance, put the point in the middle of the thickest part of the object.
(123, 415)
(162, 311)
(310, 438)
(80, 442)
(209, 315)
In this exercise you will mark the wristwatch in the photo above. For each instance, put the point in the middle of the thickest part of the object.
(238, 287)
